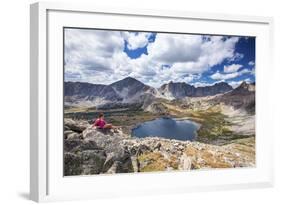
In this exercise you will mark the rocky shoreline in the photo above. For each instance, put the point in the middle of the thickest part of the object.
(93, 151)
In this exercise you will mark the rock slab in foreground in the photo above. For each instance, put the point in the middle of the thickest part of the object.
(97, 152)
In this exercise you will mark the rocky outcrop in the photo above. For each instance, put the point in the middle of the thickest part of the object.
(156, 108)
(99, 152)
(242, 97)
(75, 126)
(181, 90)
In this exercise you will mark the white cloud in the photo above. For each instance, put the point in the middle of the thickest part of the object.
(251, 63)
(95, 56)
(173, 48)
(191, 53)
(136, 39)
(226, 76)
(219, 49)
(236, 57)
(190, 78)
(253, 72)
(232, 68)
(98, 56)
(221, 76)
(188, 54)
(204, 84)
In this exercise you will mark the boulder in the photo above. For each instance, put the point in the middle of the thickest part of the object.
(158, 146)
(109, 161)
(66, 133)
(115, 168)
(69, 145)
(109, 142)
(135, 163)
(76, 126)
(93, 161)
(99, 150)
(72, 164)
(86, 145)
(185, 162)
(74, 136)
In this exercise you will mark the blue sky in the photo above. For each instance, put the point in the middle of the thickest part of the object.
(104, 56)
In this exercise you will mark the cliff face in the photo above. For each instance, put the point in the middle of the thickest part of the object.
(93, 151)
(241, 97)
(181, 90)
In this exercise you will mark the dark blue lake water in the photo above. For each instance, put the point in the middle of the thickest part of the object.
(169, 128)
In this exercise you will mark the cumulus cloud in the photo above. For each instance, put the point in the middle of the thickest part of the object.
(236, 57)
(204, 84)
(188, 54)
(95, 55)
(173, 48)
(222, 76)
(136, 39)
(191, 53)
(251, 63)
(232, 68)
(98, 56)
(226, 76)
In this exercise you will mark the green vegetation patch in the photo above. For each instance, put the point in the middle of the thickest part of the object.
(214, 126)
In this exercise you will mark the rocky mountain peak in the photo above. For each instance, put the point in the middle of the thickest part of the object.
(221, 84)
(129, 88)
(244, 88)
(244, 85)
(127, 81)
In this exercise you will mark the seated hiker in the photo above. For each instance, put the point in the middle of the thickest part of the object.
(101, 123)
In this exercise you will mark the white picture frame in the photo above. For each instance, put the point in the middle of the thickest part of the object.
(46, 178)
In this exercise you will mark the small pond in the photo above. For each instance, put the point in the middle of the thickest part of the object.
(169, 128)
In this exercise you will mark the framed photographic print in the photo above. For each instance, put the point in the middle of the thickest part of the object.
(128, 102)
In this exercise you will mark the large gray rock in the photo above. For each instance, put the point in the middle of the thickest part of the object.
(83, 163)
(72, 164)
(66, 133)
(74, 136)
(110, 142)
(100, 151)
(185, 162)
(93, 161)
(78, 145)
(76, 126)
(69, 145)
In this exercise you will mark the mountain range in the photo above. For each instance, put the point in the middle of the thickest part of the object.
(130, 90)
